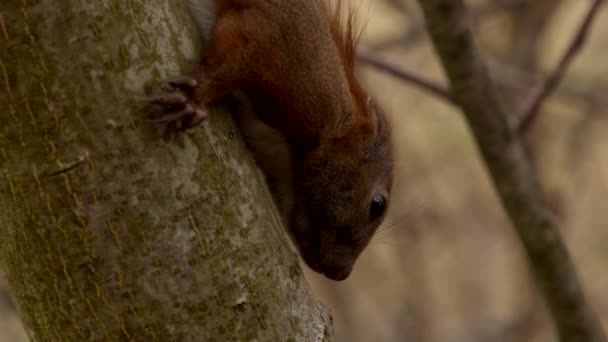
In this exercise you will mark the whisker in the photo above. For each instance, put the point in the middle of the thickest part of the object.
(397, 221)
(385, 243)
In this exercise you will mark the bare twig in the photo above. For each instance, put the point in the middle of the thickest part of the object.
(370, 58)
(409, 38)
(543, 90)
(507, 76)
(521, 81)
(511, 172)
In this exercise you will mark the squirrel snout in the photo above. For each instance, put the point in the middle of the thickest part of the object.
(332, 269)
(338, 273)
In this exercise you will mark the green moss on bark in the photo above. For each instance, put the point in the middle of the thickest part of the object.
(109, 232)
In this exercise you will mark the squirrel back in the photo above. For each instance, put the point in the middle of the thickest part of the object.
(322, 142)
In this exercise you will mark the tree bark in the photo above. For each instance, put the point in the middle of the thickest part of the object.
(107, 231)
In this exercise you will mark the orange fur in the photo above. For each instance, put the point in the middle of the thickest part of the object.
(346, 35)
(323, 144)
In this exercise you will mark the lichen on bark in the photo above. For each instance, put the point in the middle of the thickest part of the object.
(110, 232)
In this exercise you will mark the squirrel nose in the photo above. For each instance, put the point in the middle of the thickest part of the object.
(337, 273)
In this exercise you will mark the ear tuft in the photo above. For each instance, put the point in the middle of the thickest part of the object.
(346, 34)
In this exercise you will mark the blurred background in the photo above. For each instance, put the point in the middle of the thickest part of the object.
(446, 265)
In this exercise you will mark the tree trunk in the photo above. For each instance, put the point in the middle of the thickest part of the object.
(109, 232)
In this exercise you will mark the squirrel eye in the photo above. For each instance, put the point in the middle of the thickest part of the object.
(377, 207)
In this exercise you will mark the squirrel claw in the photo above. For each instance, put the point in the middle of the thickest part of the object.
(190, 116)
(181, 110)
(198, 117)
(168, 99)
(184, 83)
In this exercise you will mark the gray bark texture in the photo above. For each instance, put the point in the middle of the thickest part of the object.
(109, 232)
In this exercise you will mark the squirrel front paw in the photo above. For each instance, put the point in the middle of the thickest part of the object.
(181, 110)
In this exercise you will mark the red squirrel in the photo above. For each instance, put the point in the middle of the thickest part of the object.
(324, 145)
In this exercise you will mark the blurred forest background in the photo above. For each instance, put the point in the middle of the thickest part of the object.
(446, 265)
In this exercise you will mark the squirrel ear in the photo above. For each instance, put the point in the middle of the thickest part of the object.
(374, 110)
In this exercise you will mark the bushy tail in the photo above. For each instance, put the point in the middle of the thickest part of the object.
(204, 12)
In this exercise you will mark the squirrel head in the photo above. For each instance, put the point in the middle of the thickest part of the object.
(341, 192)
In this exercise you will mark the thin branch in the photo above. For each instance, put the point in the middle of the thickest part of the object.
(507, 79)
(522, 81)
(371, 58)
(408, 39)
(543, 90)
(505, 75)
(513, 177)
